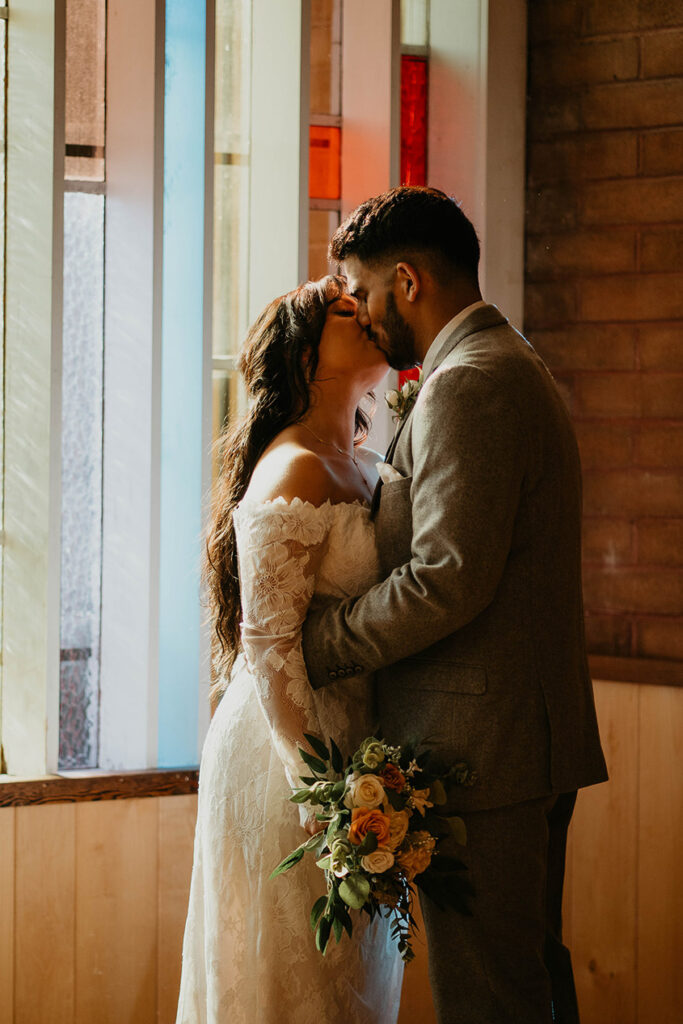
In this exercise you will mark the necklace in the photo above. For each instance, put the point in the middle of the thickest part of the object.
(342, 451)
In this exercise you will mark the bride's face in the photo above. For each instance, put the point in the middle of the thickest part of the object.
(345, 348)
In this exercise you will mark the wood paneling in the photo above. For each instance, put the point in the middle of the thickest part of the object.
(177, 819)
(7, 914)
(601, 895)
(45, 915)
(116, 911)
(660, 874)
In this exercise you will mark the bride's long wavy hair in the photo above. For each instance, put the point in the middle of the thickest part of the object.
(278, 361)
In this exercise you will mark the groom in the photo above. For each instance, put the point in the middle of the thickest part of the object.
(476, 632)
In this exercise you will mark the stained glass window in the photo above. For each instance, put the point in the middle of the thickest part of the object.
(324, 174)
(324, 166)
(85, 78)
(414, 84)
(3, 140)
(415, 22)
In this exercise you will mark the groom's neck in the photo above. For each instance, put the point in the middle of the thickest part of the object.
(441, 306)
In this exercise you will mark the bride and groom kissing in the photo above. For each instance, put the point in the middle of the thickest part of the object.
(442, 597)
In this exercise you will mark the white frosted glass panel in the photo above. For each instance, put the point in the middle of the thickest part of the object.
(3, 165)
(82, 409)
(415, 22)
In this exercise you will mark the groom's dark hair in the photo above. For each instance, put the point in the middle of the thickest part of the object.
(410, 219)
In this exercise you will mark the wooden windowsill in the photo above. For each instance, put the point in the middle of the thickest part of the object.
(646, 671)
(96, 784)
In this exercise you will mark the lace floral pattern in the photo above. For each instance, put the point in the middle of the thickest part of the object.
(248, 952)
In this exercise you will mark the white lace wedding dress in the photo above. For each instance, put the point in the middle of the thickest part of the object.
(249, 954)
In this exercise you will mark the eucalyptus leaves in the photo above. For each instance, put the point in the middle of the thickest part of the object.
(380, 833)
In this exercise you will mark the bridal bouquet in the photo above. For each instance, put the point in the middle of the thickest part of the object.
(379, 836)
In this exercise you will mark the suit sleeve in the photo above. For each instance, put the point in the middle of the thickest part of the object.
(468, 466)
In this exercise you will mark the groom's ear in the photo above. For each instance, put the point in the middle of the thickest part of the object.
(408, 281)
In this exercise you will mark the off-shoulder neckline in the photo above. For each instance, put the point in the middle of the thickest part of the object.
(283, 504)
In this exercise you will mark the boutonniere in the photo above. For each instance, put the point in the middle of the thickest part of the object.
(402, 401)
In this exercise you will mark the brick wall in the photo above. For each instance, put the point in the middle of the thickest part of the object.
(604, 294)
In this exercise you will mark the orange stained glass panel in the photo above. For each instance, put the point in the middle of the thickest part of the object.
(324, 167)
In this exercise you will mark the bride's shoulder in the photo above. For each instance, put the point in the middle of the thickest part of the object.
(288, 471)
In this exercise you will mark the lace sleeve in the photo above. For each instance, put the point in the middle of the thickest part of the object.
(280, 547)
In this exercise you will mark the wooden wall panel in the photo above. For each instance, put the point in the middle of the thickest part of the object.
(660, 876)
(603, 869)
(116, 912)
(7, 914)
(177, 817)
(44, 907)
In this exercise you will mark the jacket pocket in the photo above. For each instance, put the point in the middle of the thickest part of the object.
(448, 676)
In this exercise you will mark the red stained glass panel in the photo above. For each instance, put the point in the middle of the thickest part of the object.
(414, 92)
(405, 375)
(324, 167)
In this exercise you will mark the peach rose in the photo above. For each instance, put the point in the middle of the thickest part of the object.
(398, 826)
(393, 778)
(416, 854)
(378, 861)
(363, 821)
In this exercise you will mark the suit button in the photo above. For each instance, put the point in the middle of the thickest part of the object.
(358, 669)
(332, 675)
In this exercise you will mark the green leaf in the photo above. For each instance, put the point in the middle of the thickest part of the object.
(322, 934)
(313, 762)
(337, 759)
(317, 909)
(337, 928)
(307, 780)
(318, 745)
(325, 863)
(314, 841)
(369, 844)
(301, 796)
(290, 860)
(338, 790)
(354, 890)
(437, 792)
(458, 830)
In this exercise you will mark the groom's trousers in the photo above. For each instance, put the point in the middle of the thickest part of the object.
(506, 963)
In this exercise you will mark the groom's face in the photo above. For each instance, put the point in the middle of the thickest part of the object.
(378, 313)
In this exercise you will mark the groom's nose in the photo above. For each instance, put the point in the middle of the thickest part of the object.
(362, 315)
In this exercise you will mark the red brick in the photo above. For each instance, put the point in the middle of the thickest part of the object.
(660, 638)
(633, 201)
(633, 590)
(607, 541)
(660, 541)
(662, 395)
(660, 346)
(662, 250)
(595, 155)
(550, 304)
(580, 63)
(659, 445)
(625, 15)
(608, 634)
(643, 104)
(607, 394)
(550, 114)
(588, 347)
(550, 207)
(662, 152)
(631, 297)
(633, 492)
(604, 445)
(597, 252)
(565, 385)
(553, 19)
(662, 54)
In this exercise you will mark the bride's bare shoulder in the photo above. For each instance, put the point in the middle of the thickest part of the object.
(290, 470)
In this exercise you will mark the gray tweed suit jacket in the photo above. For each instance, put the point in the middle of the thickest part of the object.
(476, 634)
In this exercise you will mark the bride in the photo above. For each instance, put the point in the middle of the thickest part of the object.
(290, 520)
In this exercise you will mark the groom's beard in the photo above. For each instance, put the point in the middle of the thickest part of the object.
(398, 338)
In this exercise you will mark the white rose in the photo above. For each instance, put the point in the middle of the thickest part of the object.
(391, 398)
(378, 861)
(364, 791)
(411, 387)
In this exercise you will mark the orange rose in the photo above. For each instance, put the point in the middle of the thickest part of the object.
(398, 826)
(416, 854)
(393, 778)
(364, 821)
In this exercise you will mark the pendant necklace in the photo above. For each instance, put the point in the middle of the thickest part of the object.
(341, 451)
